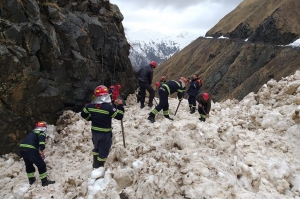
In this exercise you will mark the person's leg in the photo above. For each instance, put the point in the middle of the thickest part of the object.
(190, 103)
(193, 103)
(104, 142)
(163, 99)
(166, 111)
(152, 93)
(202, 115)
(143, 93)
(30, 170)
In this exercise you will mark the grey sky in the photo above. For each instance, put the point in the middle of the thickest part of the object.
(174, 16)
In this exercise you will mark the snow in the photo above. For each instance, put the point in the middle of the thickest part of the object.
(295, 43)
(245, 149)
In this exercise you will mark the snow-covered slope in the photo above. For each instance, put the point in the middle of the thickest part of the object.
(147, 45)
(245, 150)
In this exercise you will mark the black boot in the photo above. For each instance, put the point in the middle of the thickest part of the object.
(202, 119)
(46, 182)
(192, 111)
(99, 164)
(142, 105)
(31, 180)
(138, 98)
(95, 160)
(168, 117)
(150, 104)
(152, 119)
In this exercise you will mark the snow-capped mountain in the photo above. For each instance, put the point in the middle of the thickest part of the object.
(148, 45)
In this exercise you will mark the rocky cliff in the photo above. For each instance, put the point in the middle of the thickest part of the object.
(234, 67)
(52, 55)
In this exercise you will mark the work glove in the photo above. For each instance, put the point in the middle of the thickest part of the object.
(180, 99)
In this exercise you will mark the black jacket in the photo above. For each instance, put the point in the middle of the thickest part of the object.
(145, 74)
(101, 115)
(172, 87)
(34, 140)
(194, 88)
(207, 103)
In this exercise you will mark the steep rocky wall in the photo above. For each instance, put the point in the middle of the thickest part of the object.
(272, 21)
(52, 55)
(230, 68)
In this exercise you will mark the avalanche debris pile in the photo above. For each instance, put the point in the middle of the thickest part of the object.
(246, 149)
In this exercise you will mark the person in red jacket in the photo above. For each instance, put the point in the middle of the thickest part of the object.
(32, 150)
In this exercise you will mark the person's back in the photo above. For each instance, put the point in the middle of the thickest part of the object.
(100, 112)
(145, 74)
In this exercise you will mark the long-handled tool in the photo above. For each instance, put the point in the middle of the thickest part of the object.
(204, 110)
(123, 133)
(177, 107)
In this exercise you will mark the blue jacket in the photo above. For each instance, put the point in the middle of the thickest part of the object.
(34, 140)
(194, 88)
(145, 74)
(101, 115)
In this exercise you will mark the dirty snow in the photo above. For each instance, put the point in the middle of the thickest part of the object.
(247, 149)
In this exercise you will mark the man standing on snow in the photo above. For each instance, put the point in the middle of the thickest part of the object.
(164, 91)
(145, 76)
(32, 150)
(204, 106)
(100, 111)
(193, 90)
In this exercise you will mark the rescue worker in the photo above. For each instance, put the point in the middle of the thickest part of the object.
(195, 85)
(100, 111)
(32, 150)
(163, 80)
(164, 91)
(203, 106)
(145, 76)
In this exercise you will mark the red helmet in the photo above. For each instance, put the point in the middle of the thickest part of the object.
(118, 86)
(153, 64)
(163, 78)
(205, 96)
(157, 84)
(100, 90)
(41, 126)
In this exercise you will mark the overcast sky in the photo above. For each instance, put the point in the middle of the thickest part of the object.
(174, 16)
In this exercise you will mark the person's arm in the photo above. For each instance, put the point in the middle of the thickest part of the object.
(118, 112)
(42, 142)
(86, 114)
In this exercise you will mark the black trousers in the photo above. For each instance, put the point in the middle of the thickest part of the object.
(102, 143)
(163, 103)
(30, 157)
(143, 87)
(192, 102)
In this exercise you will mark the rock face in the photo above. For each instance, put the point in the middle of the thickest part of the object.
(272, 21)
(234, 67)
(52, 55)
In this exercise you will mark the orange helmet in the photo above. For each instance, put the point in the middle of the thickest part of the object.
(205, 96)
(41, 126)
(183, 79)
(153, 64)
(100, 90)
(163, 78)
